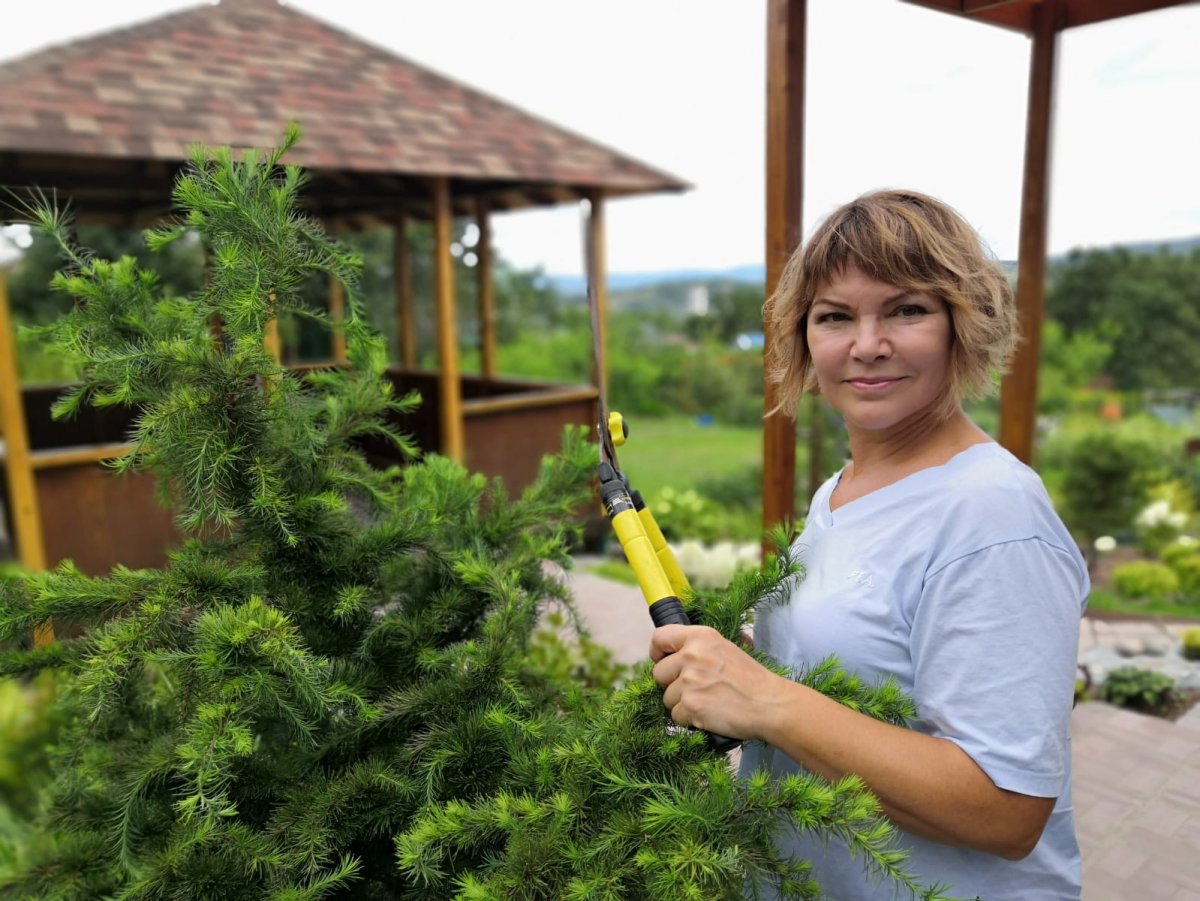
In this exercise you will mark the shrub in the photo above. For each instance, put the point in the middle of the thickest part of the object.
(1158, 525)
(1184, 546)
(1139, 689)
(688, 514)
(332, 690)
(1101, 474)
(1187, 570)
(1145, 579)
(1191, 644)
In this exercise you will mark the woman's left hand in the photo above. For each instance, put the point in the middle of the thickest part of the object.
(710, 683)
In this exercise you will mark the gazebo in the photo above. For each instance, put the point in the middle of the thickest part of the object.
(1042, 21)
(106, 122)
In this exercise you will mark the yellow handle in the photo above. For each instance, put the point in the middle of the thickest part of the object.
(641, 556)
(666, 559)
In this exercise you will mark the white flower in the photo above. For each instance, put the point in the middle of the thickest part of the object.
(1105, 544)
(713, 566)
(1154, 514)
(749, 555)
(1160, 513)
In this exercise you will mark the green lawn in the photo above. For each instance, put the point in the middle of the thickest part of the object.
(1101, 599)
(679, 453)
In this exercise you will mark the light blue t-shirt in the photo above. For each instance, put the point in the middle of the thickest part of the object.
(961, 582)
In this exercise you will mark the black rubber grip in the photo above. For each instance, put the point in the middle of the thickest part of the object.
(669, 612)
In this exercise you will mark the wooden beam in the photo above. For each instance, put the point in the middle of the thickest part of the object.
(336, 301)
(54, 458)
(1012, 14)
(971, 7)
(1018, 390)
(337, 316)
(406, 330)
(483, 275)
(22, 492)
(450, 385)
(785, 193)
(1089, 13)
(271, 340)
(597, 251)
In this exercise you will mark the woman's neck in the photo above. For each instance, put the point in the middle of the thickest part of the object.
(921, 442)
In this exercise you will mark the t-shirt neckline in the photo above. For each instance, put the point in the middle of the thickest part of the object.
(901, 485)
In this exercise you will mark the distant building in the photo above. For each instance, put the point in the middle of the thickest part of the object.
(697, 301)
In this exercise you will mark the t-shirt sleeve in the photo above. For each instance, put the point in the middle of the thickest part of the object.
(994, 648)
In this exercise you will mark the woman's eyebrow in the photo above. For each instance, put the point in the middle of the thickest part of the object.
(892, 298)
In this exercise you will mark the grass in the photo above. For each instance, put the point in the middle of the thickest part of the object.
(680, 453)
(1110, 602)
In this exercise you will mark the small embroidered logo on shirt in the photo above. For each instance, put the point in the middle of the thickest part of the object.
(860, 577)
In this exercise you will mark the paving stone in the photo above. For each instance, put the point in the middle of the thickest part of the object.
(1130, 646)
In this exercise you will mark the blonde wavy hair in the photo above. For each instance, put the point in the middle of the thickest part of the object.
(915, 243)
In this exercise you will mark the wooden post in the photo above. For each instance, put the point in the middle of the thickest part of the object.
(450, 388)
(785, 193)
(22, 492)
(1018, 390)
(337, 316)
(597, 249)
(406, 333)
(271, 339)
(483, 274)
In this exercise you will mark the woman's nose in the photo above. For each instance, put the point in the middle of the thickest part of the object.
(870, 341)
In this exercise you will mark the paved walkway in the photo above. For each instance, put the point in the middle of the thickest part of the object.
(1136, 778)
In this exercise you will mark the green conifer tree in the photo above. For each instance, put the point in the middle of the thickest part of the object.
(335, 688)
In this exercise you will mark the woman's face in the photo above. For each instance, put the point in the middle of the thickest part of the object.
(881, 356)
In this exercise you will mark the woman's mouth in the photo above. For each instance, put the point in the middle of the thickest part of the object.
(872, 384)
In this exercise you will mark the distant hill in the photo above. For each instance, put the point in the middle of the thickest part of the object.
(670, 287)
(626, 281)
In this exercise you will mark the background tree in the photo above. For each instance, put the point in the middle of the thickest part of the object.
(1147, 303)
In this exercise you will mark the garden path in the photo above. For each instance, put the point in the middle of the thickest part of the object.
(1136, 780)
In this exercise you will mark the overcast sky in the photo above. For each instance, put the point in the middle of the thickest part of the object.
(897, 96)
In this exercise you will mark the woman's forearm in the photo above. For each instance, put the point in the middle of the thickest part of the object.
(928, 786)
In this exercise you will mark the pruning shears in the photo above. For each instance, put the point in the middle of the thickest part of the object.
(653, 562)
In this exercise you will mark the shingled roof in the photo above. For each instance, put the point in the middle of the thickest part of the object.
(109, 118)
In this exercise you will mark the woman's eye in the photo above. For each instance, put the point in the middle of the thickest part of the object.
(910, 311)
(832, 316)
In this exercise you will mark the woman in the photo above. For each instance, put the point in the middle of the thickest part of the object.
(933, 557)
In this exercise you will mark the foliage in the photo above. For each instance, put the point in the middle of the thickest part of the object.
(733, 309)
(565, 657)
(1160, 523)
(1103, 599)
(608, 809)
(1191, 644)
(1070, 366)
(1179, 549)
(250, 717)
(1145, 579)
(1187, 570)
(29, 724)
(1146, 305)
(1139, 689)
(651, 370)
(1104, 472)
(333, 689)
